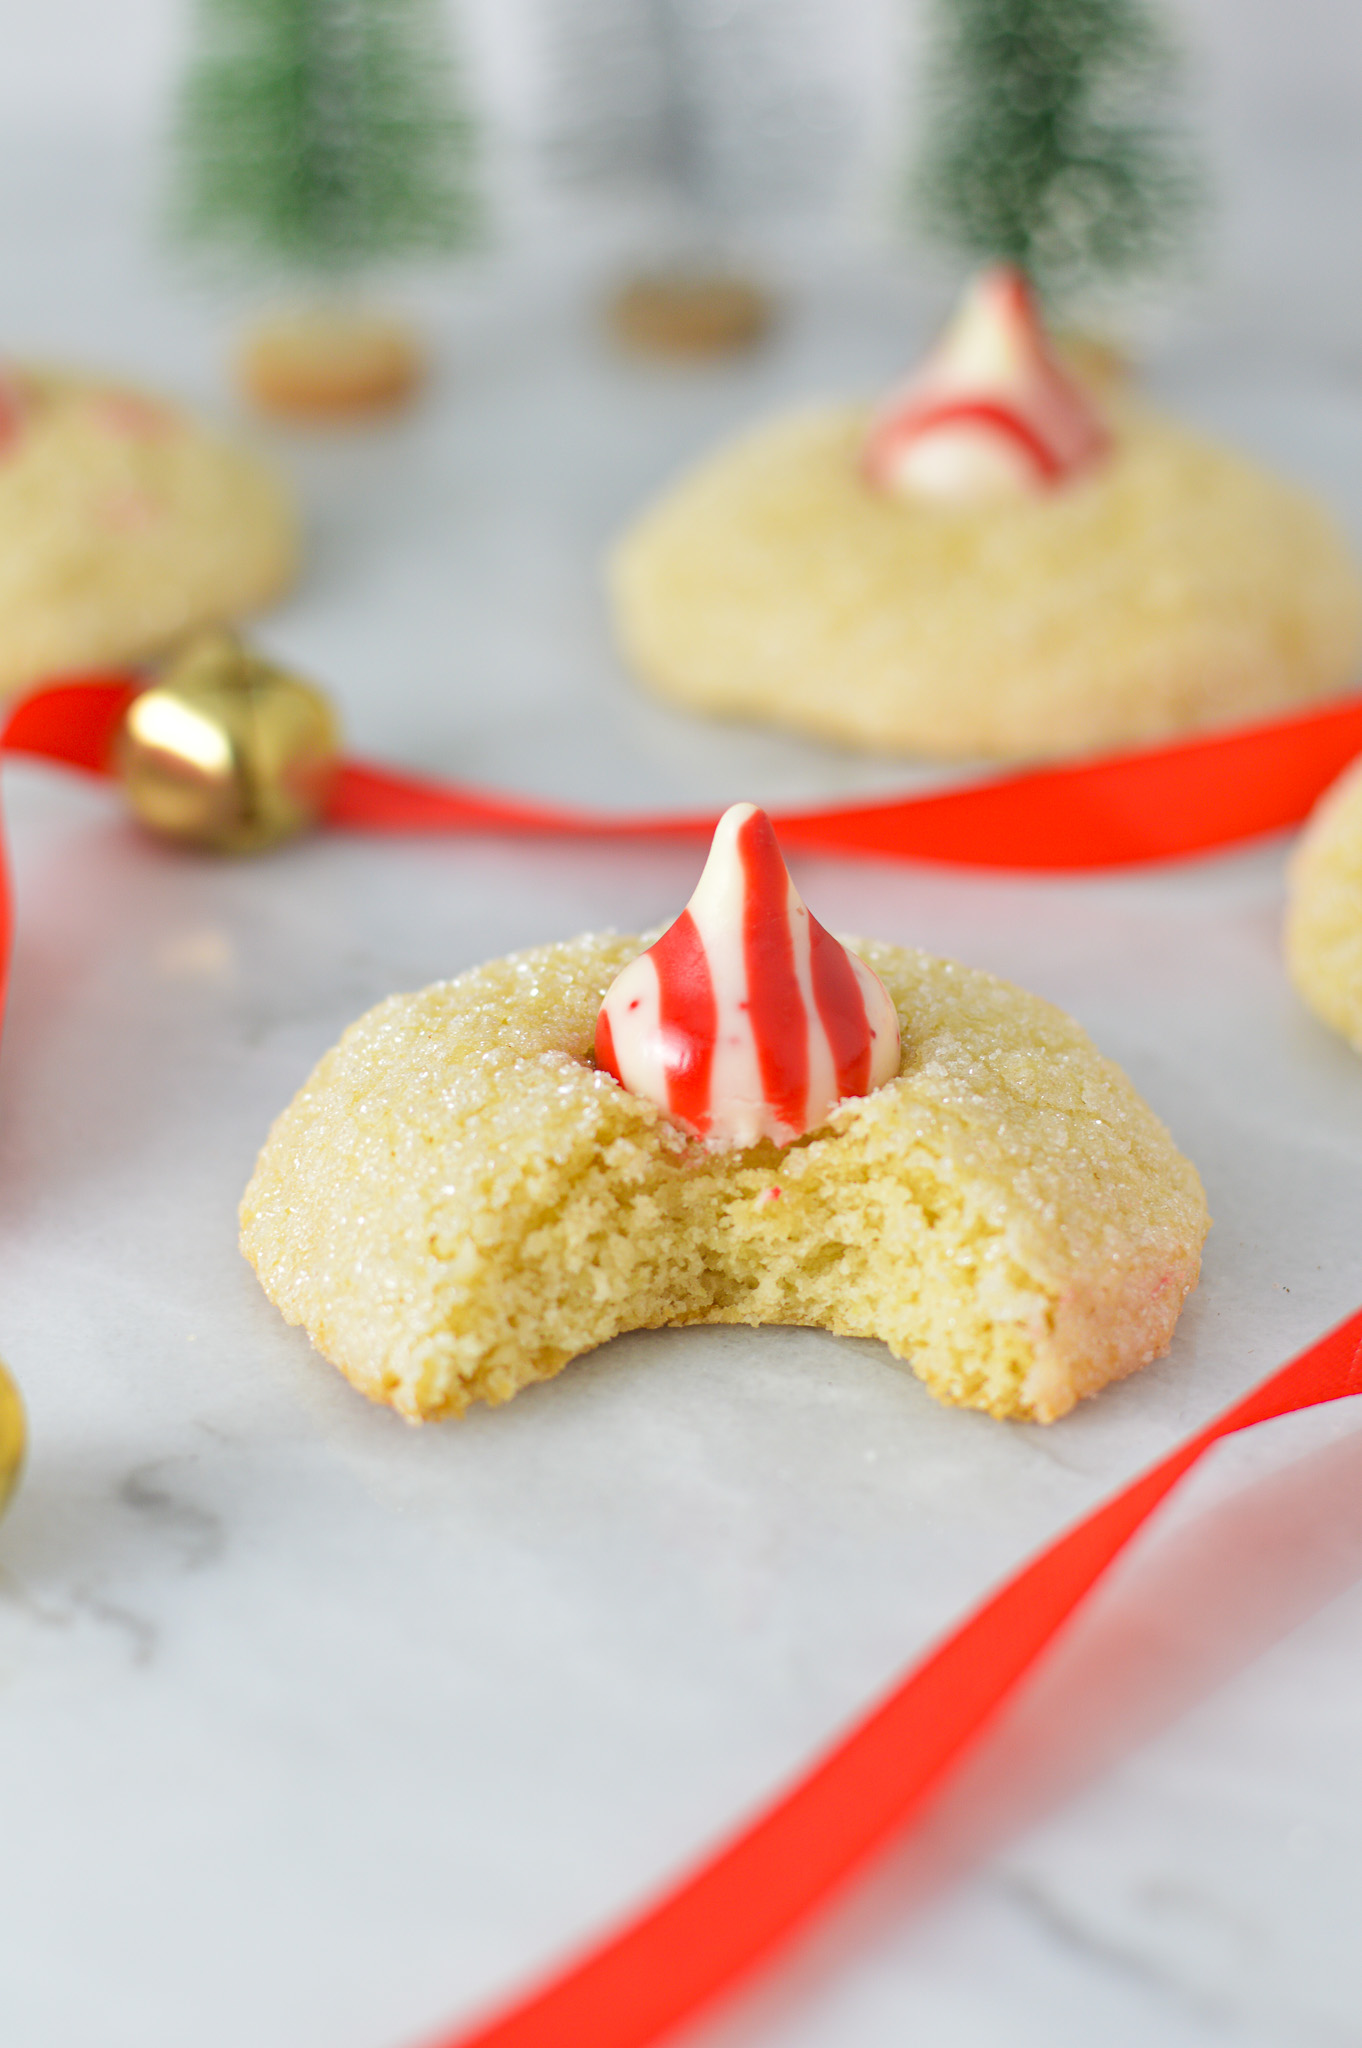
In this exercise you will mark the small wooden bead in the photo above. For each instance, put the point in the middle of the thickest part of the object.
(227, 751)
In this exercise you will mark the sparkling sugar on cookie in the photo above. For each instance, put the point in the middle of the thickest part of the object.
(460, 1200)
(747, 1020)
(992, 413)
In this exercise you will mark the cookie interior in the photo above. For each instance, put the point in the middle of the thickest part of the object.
(458, 1203)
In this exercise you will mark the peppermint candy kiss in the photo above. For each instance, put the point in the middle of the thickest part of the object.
(992, 413)
(747, 1020)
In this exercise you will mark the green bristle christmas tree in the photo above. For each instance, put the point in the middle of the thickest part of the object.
(317, 140)
(1049, 140)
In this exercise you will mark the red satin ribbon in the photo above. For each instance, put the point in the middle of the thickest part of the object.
(751, 1894)
(1156, 803)
(715, 1926)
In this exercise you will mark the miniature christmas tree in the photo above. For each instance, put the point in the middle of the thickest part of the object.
(1049, 140)
(317, 139)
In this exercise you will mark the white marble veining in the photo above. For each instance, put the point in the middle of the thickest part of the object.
(315, 1728)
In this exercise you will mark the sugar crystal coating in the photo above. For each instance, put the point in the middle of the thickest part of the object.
(459, 1202)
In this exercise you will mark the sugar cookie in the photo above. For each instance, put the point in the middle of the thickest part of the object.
(983, 568)
(460, 1201)
(123, 525)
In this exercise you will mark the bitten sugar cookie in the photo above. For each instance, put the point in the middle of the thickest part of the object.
(465, 1195)
(986, 567)
(124, 524)
(1324, 917)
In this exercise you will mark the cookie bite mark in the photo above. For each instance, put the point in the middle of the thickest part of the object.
(992, 413)
(747, 1020)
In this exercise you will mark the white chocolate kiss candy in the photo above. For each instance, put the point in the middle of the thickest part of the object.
(747, 1020)
(992, 413)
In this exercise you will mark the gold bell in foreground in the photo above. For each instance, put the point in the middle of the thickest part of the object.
(13, 1436)
(227, 751)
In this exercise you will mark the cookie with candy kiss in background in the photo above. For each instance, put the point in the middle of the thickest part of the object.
(745, 1121)
(997, 561)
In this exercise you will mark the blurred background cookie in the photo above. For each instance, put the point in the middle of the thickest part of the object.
(1000, 561)
(124, 522)
(1324, 918)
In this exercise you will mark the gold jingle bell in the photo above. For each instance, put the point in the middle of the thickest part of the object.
(13, 1436)
(227, 751)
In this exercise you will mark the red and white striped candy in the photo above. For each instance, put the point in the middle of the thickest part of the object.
(747, 1020)
(992, 413)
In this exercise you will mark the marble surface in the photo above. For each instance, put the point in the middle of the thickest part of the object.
(315, 1728)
